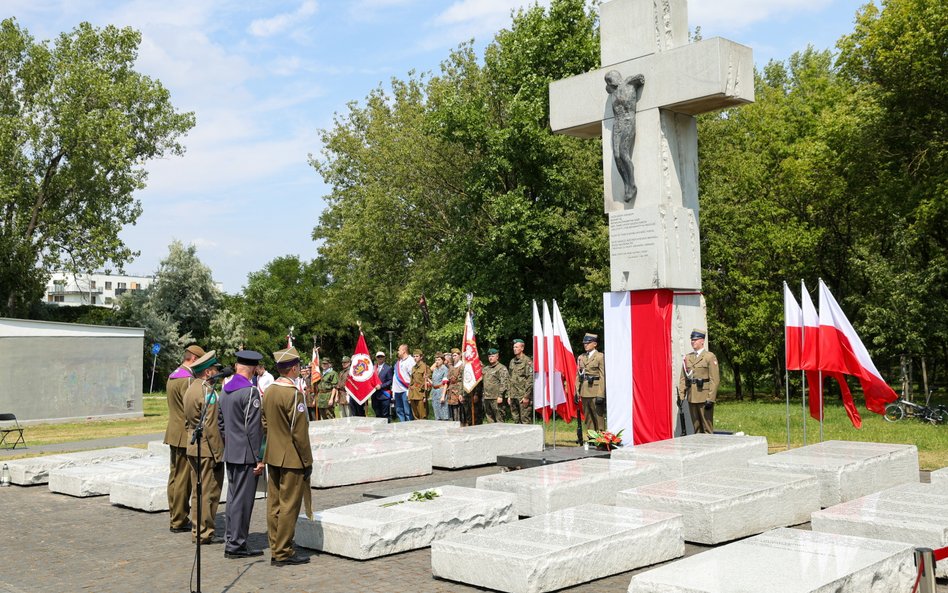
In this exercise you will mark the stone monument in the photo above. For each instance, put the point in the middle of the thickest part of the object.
(652, 84)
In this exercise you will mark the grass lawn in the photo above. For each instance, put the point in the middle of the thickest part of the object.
(762, 418)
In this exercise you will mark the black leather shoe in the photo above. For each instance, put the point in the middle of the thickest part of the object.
(290, 560)
(181, 529)
(243, 553)
(214, 540)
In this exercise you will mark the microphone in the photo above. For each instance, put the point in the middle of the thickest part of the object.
(225, 372)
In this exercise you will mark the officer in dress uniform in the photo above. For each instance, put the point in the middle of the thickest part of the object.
(591, 367)
(288, 457)
(243, 452)
(176, 437)
(698, 384)
(201, 400)
(520, 395)
(496, 378)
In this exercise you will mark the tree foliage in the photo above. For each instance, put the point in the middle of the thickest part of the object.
(77, 124)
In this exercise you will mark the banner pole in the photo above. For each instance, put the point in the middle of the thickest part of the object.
(803, 383)
(786, 379)
(821, 405)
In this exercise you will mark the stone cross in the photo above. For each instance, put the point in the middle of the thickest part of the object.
(654, 239)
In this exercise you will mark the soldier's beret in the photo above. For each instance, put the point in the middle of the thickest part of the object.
(518, 341)
(205, 362)
(492, 351)
(249, 358)
(590, 338)
(697, 334)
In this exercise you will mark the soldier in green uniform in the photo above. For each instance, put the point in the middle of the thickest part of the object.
(288, 457)
(591, 367)
(339, 395)
(418, 388)
(698, 384)
(324, 390)
(201, 399)
(176, 437)
(520, 393)
(496, 379)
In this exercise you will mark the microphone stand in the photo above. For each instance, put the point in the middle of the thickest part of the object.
(196, 437)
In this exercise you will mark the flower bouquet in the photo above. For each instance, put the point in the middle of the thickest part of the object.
(605, 440)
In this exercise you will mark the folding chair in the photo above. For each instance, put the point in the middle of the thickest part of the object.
(6, 431)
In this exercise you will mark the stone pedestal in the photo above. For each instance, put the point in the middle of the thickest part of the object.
(369, 462)
(35, 470)
(940, 477)
(731, 503)
(548, 488)
(97, 480)
(479, 445)
(558, 550)
(697, 453)
(394, 524)
(848, 469)
(787, 561)
(912, 513)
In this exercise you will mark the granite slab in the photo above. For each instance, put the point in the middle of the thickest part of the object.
(728, 504)
(35, 470)
(697, 453)
(390, 525)
(471, 446)
(559, 549)
(549, 488)
(847, 470)
(97, 479)
(373, 461)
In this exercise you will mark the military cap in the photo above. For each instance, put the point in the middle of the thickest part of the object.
(286, 356)
(325, 359)
(590, 338)
(418, 352)
(492, 351)
(518, 341)
(455, 351)
(346, 359)
(697, 334)
(250, 358)
(195, 350)
(205, 362)
(438, 354)
(379, 353)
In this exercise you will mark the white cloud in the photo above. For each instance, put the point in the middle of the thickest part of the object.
(279, 23)
(731, 15)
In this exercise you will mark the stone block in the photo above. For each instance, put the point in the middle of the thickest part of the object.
(390, 525)
(787, 561)
(159, 448)
(560, 549)
(847, 469)
(35, 470)
(549, 488)
(913, 513)
(940, 476)
(343, 424)
(149, 492)
(731, 503)
(470, 446)
(97, 479)
(369, 462)
(697, 453)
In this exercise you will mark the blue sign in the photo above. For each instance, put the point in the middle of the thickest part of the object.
(155, 349)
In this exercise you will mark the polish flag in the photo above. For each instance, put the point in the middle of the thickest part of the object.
(793, 328)
(539, 374)
(549, 365)
(809, 358)
(315, 369)
(362, 380)
(842, 351)
(565, 364)
(472, 360)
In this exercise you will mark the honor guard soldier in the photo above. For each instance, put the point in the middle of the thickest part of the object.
(591, 386)
(418, 388)
(520, 394)
(243, 452)
(201, 401)
(700, 377)
(495, 378)
(176, 437)
(288, 457)
(324, 390)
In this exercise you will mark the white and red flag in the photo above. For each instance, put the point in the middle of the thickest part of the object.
(539, 375)
(842, 351)
(472, 360)
(362, 380)
(315, 370)
(565, 365)
(793, 329)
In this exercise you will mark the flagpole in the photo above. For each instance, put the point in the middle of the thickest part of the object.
(803, 383)
(786, 384)
(821, 404)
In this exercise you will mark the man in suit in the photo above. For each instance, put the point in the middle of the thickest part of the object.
(201, 401)
(382, 397)
(698, 384)
(176, 437)
(591, 367)
(288, 457)
(243, 452)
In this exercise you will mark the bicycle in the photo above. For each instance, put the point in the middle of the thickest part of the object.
(901, 408)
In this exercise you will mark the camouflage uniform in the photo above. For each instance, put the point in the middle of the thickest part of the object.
(495, 378)
(521, 388)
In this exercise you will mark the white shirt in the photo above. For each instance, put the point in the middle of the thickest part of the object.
(263, 381)
(403, 369)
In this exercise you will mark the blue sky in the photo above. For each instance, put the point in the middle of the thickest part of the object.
(263, 76)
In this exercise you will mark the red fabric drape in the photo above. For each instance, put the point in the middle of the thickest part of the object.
(651, 353)
(816, 395)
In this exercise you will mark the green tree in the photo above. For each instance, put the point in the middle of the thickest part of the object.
(184, 289)
(136, 309)
(77, 125)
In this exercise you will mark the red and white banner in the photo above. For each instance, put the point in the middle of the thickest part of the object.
(809, 358)
(362, 380)
(793, 330)
(564, 364)
(555, 395)
(540, 393)
(315, 369)
(472, 360)
(842, 351)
